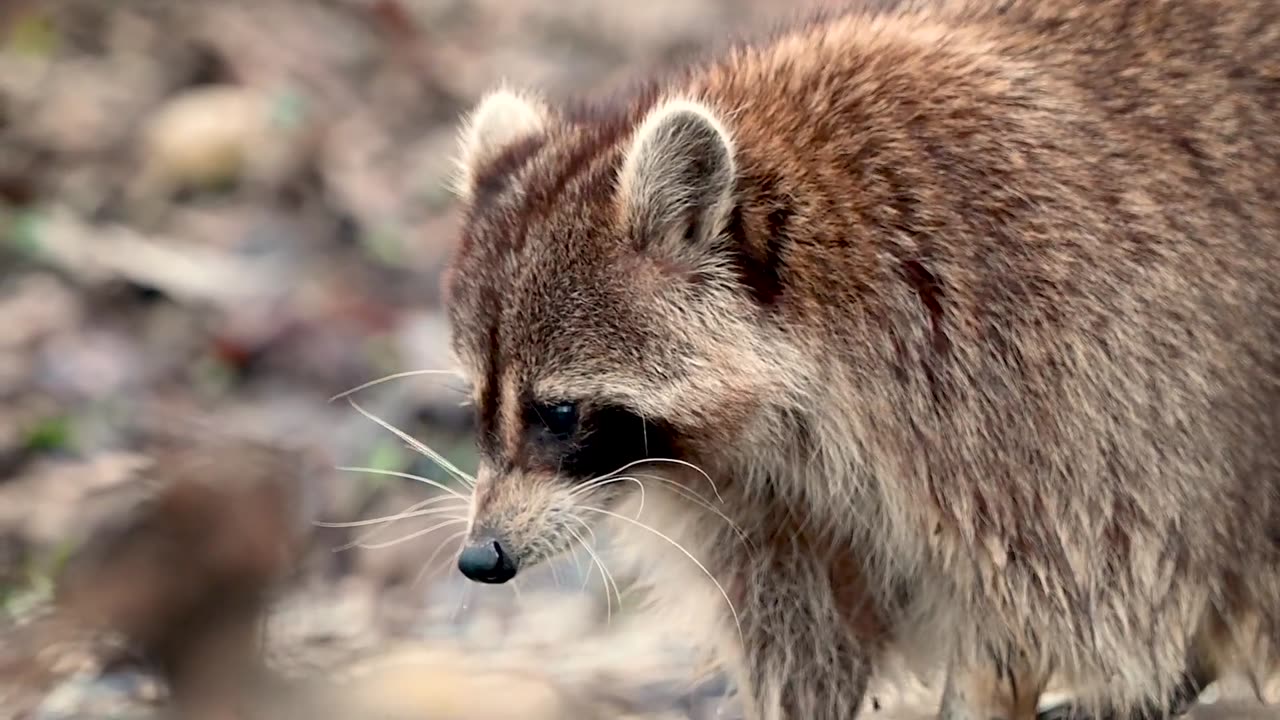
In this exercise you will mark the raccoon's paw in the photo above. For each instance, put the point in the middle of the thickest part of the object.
(1177, 709)
(1061, 712)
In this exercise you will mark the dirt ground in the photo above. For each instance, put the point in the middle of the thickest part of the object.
(214, 217)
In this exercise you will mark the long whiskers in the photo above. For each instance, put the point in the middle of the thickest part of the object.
(409, 512)
(586, 579)
(418, 509)
(737, 622)
(462, 602)
(685, 492)
(432, 558)
(362, 540)
(608, 480)
(555, 574)
(394, 376)
(606, 576)
(715, 490)
(409, 476)
(701, 502)
(411, 536)
(515, 590)
(417, 445)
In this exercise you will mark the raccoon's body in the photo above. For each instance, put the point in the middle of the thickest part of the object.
(969, 312)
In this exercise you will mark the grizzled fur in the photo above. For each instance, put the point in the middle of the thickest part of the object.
(970, 312)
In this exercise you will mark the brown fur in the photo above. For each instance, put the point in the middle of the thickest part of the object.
(969, 311)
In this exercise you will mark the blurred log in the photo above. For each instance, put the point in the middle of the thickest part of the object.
(181, 583)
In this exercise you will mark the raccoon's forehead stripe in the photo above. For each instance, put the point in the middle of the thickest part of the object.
(540, 171)
(488, 401)
(539, 176)
(497, 231)
(511, 414)
(543, 194)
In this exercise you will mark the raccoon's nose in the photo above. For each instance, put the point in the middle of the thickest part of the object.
(485, 561)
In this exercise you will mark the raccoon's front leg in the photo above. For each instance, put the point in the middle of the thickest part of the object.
(800, 657)
(1180, 702)
(995, 690)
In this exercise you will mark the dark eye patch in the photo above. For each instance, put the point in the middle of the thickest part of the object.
(603, 439)
(560, 420)
(612, 437)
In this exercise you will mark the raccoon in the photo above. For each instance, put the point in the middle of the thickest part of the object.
(949, 329)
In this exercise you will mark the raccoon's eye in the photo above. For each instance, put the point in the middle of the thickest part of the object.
(560, 419)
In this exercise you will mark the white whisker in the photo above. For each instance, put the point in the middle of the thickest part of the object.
(408, 476)
(555, 575)
(432, 558)
(408, 512)
(601, 482)
(604, 575)
(672, 461)
(439, 459)
(696, 469)
(590, 531)
(586, 579)
(515, 589)
(394, 376)
(462, 603)
(411, 536)
(577, 564)
(682, 490)
(686, 553)
(417, 445)
(594, 483)
(364, 538)
(703, 503)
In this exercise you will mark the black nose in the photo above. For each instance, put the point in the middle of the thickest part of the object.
(485, 561)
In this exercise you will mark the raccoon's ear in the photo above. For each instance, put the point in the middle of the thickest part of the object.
(502, 117)
(677, 182)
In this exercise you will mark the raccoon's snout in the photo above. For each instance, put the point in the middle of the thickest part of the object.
(485, 560)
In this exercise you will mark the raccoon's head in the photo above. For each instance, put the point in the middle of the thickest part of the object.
(598, 307)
